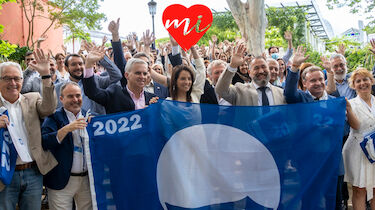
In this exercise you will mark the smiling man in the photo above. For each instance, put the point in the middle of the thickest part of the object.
(116, 98)
(61, 135)
(25, 112)
(312, 79)
(260, 92)
(75, 65)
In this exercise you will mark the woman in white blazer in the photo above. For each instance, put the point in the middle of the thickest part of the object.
(358, 169)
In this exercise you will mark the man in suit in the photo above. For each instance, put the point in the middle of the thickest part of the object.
(76, 65)
(120, 60)
(312, 79)
(61, 135)
(151, 86)
(25, 112)
(214, 70)
(258, 93)
(117, 98)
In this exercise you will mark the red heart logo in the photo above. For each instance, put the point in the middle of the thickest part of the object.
(187, 25)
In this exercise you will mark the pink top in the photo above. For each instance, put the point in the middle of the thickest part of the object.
(88, 73)
(138, 102)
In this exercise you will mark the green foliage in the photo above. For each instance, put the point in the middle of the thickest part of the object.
(273, 37)
(288, 19)
(78, 15)
(19, 55)
(221, 34)
(161, 40)
(223, 26)
(333, 44)
(79, 35)
(359, 58)
(279, 20)
(6, 49)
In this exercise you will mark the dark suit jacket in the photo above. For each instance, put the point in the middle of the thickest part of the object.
(293, 94)
(209, 96)
(160, 90)
(114, 99)
(59, 176)
(120, 61)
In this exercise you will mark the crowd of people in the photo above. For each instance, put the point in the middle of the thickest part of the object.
(49, 103)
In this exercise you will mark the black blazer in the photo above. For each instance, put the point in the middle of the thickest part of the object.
(114, 99)
(59, 176)
(209, 95)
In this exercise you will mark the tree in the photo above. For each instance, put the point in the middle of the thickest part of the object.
(251, 20)
(288, 19)
(77, 15)
(3, 2)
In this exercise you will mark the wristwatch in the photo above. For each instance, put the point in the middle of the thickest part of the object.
(46, 76)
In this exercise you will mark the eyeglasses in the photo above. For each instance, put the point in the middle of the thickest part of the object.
(9, 79)
(341, 65)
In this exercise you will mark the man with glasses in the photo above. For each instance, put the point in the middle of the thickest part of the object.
(340, 69)
(25, 112)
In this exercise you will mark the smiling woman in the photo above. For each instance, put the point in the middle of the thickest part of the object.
(358, 170)
(181, 84)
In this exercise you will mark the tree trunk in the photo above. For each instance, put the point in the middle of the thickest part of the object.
(251, 20)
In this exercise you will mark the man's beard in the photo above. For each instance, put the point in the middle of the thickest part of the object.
(340, 76)
(77, 77)
(262, 82)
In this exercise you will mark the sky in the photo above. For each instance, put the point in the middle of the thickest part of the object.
(135, 17)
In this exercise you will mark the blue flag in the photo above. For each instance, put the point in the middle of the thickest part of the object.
(8, 156)
(175, 155)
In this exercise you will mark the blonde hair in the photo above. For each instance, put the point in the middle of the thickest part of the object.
(360, 72)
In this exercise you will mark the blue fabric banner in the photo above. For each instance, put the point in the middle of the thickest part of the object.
(175, 155)
(8, 156)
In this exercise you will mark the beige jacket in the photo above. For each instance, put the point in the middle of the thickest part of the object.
(243, 94)
(33, 108)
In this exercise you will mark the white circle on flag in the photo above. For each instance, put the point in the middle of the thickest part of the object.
(210, 164)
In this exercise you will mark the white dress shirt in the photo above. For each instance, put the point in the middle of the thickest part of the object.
(79, 161)
(16, 117)
(268, 93)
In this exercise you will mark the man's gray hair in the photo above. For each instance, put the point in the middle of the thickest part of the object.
(215, 63)
(336, 55)
(62, 88)
(9, 63)
(310, 69)
(131, 62)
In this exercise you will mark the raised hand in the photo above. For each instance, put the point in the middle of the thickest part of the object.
(299, 57)
(173, 41)
(288, 35)
(113, 27)
(42, 63)
(168, 48)
(104, 40)
(161, 49)
(237, 57)
(341, 49)
(130, 42)
(372, 49)
(214, 39)
(63, 47)
(148, 38)
(326, 64)
(95, 54)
